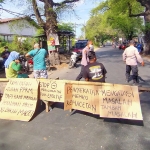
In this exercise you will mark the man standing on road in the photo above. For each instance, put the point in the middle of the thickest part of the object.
(39, 64)
(84, 60)
(131, 56)
(94, 71)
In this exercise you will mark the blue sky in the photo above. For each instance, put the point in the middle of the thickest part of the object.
(82, 9)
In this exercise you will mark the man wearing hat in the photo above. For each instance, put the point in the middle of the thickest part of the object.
(131, 56)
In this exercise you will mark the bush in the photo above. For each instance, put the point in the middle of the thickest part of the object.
(21, 46)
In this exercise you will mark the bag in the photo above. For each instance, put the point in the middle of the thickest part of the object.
(36, 53)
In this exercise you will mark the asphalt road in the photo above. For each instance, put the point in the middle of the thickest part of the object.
(62, 130)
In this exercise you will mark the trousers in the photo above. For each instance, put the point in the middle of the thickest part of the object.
(134, 72)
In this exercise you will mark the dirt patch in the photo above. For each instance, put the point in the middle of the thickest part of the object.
(146, 57)
(63, 65)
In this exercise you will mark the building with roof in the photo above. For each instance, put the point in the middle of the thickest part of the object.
(22, 27)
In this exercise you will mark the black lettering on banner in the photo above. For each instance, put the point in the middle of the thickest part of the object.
(83, 97)
(54, 96)
(25, 113)
(69, 89)
(117, 93)
(81, 105)
(109, 107)
(117, 101)
(122, 114)
(54, 85)
(13, 89)
(26, 90)
(20, 83)
(8, 96)
(44, 85)
(25, 104)
(11, 103)
(29, 98)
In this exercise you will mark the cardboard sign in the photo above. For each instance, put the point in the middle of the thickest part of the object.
(81, 97)
(120, 101)
(19, 99)
(52, 90)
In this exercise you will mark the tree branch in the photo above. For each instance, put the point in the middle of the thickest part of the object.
(37, 13)
(143, 3)
(134, 15)
(65, 2)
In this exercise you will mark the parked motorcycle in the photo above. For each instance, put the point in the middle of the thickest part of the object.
(24, 63)
(1, 64)
(73, 59)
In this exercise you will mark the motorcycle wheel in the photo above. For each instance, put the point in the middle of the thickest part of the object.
(71, 64)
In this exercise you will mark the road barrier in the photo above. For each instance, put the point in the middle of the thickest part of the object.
(108, 100)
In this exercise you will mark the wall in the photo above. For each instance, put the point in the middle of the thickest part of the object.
(19, 27)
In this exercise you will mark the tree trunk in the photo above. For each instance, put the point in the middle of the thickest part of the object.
(51, 18)
(147, 34)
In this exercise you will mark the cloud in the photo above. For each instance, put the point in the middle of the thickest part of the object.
(80, 2)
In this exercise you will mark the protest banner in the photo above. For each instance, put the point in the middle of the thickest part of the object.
(52, 90)
(81, 97)
(120, 101)
(19, 99)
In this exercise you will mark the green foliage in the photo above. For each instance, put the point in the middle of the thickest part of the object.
(111, 18)
(20, 46)
(65, 27)
(40, 31)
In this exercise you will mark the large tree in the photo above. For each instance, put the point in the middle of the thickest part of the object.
(50, 23)
(135, 8)
(46, 16)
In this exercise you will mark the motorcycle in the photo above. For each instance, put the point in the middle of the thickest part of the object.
(73, 59)
(24, 63)
(1, 63)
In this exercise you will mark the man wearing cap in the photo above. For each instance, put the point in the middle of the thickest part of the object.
(131, 56)
(94, 71)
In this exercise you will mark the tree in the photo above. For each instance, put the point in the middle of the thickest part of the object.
(98, 30)
(114, 16)
(50, 23)
(134, 8)
(47, 17)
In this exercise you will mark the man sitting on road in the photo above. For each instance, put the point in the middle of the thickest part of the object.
(94, 71)
(39, 64)
(131, 56)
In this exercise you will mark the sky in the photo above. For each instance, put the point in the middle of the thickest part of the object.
(82, 10)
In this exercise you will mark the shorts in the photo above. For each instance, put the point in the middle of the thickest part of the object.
(40, 74)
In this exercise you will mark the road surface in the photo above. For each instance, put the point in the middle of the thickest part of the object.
(62, 130)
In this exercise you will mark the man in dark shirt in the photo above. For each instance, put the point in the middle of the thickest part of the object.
(5, 53)
(94, 71)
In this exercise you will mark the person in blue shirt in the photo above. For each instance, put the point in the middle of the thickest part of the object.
(139, 47)
(39, 65)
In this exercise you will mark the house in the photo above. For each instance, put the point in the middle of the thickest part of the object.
(22, 27)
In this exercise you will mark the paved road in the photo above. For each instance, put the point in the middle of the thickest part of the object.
(62, 130)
